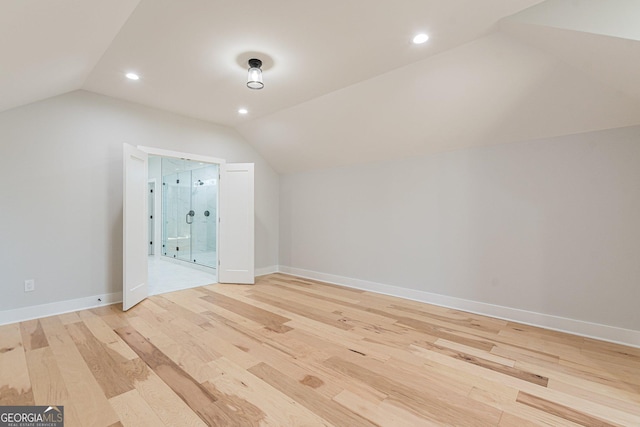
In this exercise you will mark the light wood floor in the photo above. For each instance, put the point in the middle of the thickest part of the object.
(293, 352)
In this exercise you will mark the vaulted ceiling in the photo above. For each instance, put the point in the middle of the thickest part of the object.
(343, 82)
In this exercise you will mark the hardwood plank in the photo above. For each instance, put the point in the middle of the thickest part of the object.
(179, 311)
(197, 397)
(327, 409)
(307, 311)
(435, 358)
(432, 330)
(600, 369)
(190, 300)
(268, 319)
(167, 405)
(493, 395)
(234, 409)
(134, 411)
(15, 388)
(520, 353)
(85, 393)
(561, 411)
(103, 311)
(108, 338)
(627, 403)
(105, 369)
(604, 368)
(381, 413)
(454, 317)
(452, 411)
(591, 381)
(290, 356)
(497, 367)
(334, 341)
(612, 353)
(48, 384)
(314, 294)
(195, 366)
(531, 338)
(67, 318)
(390, 336)
(279, 409)
(484, 355)
(510, 420)
(33, 336)
(328, 288)
(593, 408)
(246, 348)
(181, 332)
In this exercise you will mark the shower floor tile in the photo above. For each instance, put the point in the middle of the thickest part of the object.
(166, 276)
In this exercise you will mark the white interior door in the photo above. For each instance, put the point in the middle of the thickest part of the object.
(135, 287)
(236, 255)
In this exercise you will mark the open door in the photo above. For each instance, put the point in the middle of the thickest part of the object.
(236, 255)
(135, 287)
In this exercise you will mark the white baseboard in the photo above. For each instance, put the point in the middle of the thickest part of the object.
(59, 307)
(577, 327)
(266, 270)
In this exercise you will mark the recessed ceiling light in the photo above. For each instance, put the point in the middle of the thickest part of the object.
(243, 111)
(420, 38)
(132, 76)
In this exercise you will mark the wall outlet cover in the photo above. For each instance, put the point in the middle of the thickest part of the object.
(29, 285)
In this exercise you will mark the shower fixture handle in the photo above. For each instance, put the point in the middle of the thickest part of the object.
(190, 214)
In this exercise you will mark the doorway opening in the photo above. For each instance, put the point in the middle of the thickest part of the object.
(185, 218)
(235, 239)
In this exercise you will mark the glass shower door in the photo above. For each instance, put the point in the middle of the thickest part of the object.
(204, 203)
(178, 215)
(189, 211)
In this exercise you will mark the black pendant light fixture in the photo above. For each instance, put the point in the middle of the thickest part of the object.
(254, 79)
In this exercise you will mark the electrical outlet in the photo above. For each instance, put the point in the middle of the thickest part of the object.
(29, 285)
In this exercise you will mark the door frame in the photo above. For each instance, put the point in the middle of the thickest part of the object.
(180, 155)
(153, 151)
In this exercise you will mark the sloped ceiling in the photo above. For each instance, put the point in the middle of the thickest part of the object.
(193, 54)
(343, 83)
(50, 47)
(493, 90)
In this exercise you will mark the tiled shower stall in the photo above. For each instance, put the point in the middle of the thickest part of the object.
(189, 211)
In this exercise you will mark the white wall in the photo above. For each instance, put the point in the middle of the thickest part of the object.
(549, 226)
(61, 191)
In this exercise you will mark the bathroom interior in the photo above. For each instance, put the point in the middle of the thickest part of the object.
(183, 218)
